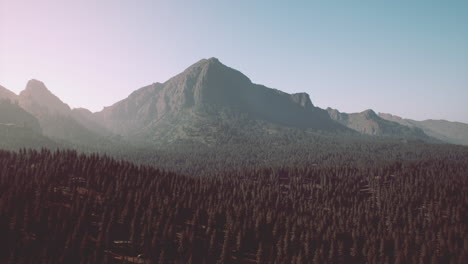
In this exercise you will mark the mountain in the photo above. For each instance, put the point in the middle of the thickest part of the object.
(211, 103)
(55, 117)
(13, 115)
(450, 132)
(20, 129)
(368, 122)
(37, 99)
(18, 137)
(209, 97)
(87, 119)
(7, 94)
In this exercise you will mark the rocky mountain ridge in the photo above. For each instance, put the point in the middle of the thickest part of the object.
(446, 131)
(210, 102)
(368, 122)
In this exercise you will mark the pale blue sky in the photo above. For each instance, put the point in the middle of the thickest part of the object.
(408, 58)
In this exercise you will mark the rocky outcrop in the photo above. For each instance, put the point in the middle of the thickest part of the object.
(208, 84)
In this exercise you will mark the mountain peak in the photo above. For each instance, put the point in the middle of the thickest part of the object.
(369, 113)
(303, 99)
(208, 86)
(207, 81)
(34, 84)
(37, 98)
(336, 115)
(213, 60)
(204, 63)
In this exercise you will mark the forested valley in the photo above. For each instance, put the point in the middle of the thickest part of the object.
(377, 203)
(321, 133)
(209, 167)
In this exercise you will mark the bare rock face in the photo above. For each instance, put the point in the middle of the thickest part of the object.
(37, 99)
(302, 99)
(208, 84)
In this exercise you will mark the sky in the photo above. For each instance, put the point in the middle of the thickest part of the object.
(408, 58)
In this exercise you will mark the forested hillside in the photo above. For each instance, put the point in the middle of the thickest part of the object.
(62, 207)
(288, 148)
(12, 114)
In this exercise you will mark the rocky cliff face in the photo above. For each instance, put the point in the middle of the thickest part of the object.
(37, 99)
(208, 84)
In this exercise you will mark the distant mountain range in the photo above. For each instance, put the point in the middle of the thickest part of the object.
(368, 122)
(56, 118)
(208, 103)
(451, 132)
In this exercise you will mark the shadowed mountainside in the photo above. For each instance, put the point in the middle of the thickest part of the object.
(55, 117)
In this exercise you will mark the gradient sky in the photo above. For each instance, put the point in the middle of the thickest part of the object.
(409, 58)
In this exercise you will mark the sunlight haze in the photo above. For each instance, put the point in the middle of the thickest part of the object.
(408, 58)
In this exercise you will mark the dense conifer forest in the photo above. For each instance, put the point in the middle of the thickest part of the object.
(337, 207)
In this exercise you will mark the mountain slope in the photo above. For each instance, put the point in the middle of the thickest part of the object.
(20, 129)
(55, 117)
(13, 115)
(204, 92)
(17, 137)
(7, 94)
(368, 122)
(88, 120)
(38, 100)
(451, 132)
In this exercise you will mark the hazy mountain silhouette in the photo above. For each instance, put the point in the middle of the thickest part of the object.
(209, 94)
(12, 115)
(87, 119)
(20, 129)
(38, 100)
(211, 103)
(18, 137)
(451, 132)
(7, 94)
(55, 117)
(368, 122)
